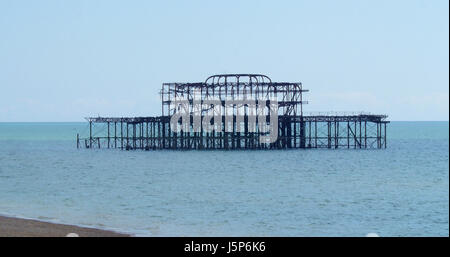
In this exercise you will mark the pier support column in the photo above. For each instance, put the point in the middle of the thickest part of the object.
(108, 134)
(115, 134)
(348, 134)
(90, 134)
(302, 134)
(315, 133)
(365, 134)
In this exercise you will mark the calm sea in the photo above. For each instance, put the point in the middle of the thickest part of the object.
(400, 191)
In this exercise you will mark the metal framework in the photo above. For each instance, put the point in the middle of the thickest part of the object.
(295, 130)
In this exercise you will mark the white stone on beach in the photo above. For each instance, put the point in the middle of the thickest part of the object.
(72, 235)
(372, 235)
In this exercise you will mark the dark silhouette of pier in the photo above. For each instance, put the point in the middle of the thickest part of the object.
(237, 128)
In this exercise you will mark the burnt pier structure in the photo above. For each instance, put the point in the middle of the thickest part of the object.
(235, 131)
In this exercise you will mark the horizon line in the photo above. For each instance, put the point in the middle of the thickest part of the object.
(86, 121)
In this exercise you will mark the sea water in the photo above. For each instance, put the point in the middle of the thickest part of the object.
(399, 191)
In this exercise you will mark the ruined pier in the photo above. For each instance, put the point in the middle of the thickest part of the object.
(233, 123)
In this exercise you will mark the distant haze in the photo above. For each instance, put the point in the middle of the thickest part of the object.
(65, 60)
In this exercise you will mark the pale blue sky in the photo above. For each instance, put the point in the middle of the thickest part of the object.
(65, 60)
